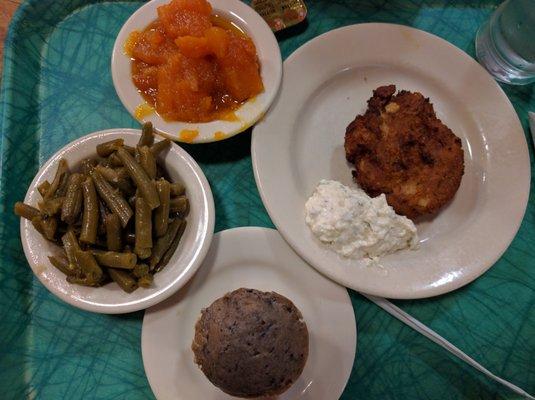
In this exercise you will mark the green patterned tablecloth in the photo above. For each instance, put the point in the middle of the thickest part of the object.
(57, 86)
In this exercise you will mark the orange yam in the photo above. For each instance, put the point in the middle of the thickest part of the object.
(202, 7)
(131, 42)
(200, 73)
(151, 47)
(156, 38)
(218, 41)
(240, 68)
(191, 70)
(191, 46)
(145, 76)
(184, 85)
(215, 41)
(185, 17)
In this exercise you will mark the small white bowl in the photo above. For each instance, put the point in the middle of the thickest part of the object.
(110, 299)
(270, 64)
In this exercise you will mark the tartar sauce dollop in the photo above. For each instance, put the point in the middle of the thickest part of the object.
(355, 225)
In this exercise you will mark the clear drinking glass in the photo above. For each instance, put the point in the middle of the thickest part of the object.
(505, 44)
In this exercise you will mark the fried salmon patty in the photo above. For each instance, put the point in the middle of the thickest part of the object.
(400, 148)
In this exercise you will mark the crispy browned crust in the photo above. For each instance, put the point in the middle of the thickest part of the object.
(400, 148)
(251, 343)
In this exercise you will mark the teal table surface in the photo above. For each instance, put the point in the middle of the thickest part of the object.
(57, 86)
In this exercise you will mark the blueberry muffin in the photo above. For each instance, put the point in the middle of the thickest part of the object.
(250, 343)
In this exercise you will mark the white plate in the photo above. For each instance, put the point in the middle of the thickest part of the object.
(255, 258)
(326, 84)
(110, 298)
(269, 57)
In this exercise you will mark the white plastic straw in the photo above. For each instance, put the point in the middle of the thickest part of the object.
(532, 124)
(435, 337)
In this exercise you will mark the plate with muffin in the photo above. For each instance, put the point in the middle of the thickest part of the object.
(392, 162)
(255, 322)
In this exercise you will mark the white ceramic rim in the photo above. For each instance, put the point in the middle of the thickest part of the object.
(203, 236)
(519, 179)
(248, 114)
(336, 299)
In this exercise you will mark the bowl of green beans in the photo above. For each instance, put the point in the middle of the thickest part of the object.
(117, 220)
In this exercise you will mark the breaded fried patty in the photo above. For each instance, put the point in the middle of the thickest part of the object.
(400, 148)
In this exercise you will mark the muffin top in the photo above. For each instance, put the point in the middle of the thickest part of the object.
(251, 343)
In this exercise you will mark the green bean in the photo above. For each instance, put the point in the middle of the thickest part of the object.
(120, 178)
(113, 232)
(123, 279)
(126, 187)
(122, 173)
(140, 178)
(177, 189)
(43, 188)
(89, 266)
(37, 223)
(114, 161)
(102, 212)
(147, 161)
(85, 281)
(25, 211)
(62, 263)
(60, 180)
(90, 213)
(140, 270)
(143, 244)
(179, 204)
(62, 228)
(114, 259)
(112, 175)
(171, 250)
(70, 245)
(147, 135)
(102, 161)
(145, 281)
(131, 150)
(107, 173)
(72, 204)
(52, 206)
(46, 226)
(116, 203)
(62, 189)
(163, 243)
(50, 225)
(160, 146)
(87, 165)
(161, 214)
(106, 148)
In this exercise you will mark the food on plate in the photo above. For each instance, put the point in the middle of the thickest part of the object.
(117, 219)
(193, 66)
(400, 148)
(250, 343)
(355, 225)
